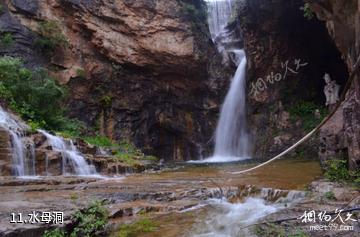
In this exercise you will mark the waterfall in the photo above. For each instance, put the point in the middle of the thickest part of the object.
(15, 130)
(219, 15)
(23, 157)
(231, 137)
(71, 157)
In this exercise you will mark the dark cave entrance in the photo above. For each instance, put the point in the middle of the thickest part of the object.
(312, 42)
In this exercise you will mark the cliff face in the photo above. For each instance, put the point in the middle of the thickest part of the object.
(288, 56)
(341, 136)
(137, 70)
(276, 34)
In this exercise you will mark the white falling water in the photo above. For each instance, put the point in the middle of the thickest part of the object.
(71, 157)
(231, 137)
(15, 130)
(227, 219)
(219, 15)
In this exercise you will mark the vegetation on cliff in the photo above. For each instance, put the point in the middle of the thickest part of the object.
(337, 171)
(32, 94)
(123, 151)
(308, 112)
(308, 14)
(38, 99)
(51, 37)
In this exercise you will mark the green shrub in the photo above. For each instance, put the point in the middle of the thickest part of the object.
(35, 125)
(70, 128)
(100, 141)
(152, 158)
(106, 101)
(128, 147)
(124, 151)
(135, 229)
(305, 111)
(54, 233)
(303, 108)
(35, 96)
(51, 37)
(128, 153)
(330, 195)
(80, 73)
(74, 196)
(90, 221)
(127, 158)
(7, 39)
(308, 14)
(337, 170)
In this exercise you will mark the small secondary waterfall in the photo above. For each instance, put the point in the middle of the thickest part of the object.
(23, 159)
(71, 157)
(232, 140)
(20, 164)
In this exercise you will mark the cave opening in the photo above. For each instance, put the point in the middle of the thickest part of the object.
(314, 45)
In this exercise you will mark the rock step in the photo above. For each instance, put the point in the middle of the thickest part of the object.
(5, 144)
(4, 156)
(6, 150)
(5, 147)
(4, 140)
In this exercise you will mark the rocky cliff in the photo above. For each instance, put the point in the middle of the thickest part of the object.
(288, 56)
(137, 70)
(340, 138)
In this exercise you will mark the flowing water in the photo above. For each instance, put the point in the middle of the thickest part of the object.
(231, 137)
(71, 157)
(219, 15)
(176, 199)
(18, 150)
(23, 150)
(232, 141)
(224, 217)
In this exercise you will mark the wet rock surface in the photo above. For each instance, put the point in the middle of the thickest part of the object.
(343, 24)
(127, 197)
(323, 198)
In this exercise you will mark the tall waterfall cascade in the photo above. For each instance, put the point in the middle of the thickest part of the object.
(231, 137)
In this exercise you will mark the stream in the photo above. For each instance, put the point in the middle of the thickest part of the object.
(185, 200)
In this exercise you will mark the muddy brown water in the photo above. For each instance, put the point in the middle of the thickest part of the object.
(282, 174)
(171, 197)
